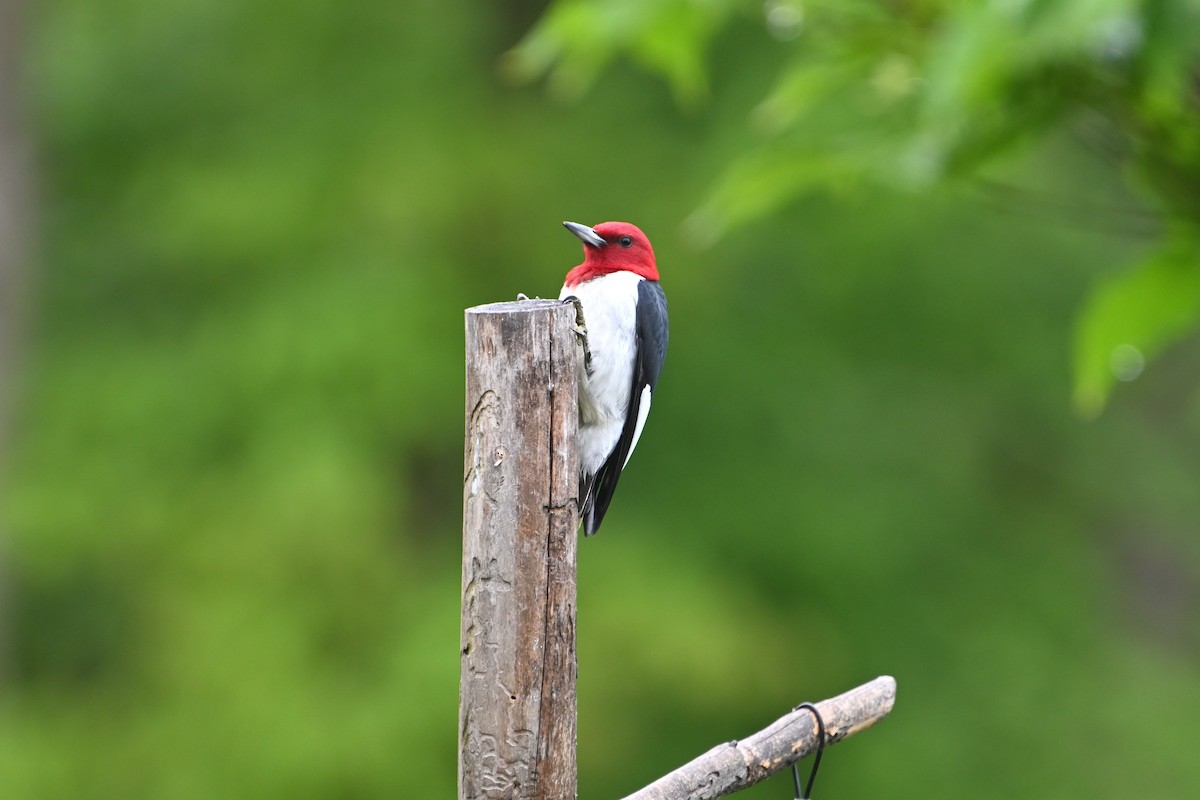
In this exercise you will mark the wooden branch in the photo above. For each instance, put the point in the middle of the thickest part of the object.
(732, 766)
(517, 717)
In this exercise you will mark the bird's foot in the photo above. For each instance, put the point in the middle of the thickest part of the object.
(581, 333)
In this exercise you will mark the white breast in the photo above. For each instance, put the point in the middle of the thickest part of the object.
(610, 312)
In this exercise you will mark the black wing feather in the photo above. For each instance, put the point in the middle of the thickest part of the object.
(651, 352)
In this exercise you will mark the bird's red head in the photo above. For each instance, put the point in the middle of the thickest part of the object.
(612, 247)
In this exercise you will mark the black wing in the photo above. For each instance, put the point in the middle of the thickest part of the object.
(651, 352)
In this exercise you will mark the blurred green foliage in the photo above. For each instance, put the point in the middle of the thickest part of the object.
(912, 94)
(233, 507)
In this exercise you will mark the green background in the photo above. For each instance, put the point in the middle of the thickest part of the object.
(233, 505)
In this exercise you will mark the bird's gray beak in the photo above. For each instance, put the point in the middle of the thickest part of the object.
(585, 234)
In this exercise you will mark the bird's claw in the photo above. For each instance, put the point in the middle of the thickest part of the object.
(581, 333)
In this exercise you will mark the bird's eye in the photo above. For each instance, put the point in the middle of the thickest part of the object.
(625, 241)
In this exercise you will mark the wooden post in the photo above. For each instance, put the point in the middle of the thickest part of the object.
(517, 692)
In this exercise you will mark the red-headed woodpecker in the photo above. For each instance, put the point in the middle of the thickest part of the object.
(625, 312)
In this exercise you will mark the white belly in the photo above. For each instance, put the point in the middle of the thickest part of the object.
(610, 312)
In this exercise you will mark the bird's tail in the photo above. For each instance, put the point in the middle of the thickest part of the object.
(587, 511)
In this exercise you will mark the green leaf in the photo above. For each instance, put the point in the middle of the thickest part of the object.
(762, 182)
(577, 39)
(1132, 316)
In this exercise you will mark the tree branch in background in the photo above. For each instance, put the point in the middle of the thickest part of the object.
(732, 766)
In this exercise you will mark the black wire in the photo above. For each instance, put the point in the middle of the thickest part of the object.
(816, 761)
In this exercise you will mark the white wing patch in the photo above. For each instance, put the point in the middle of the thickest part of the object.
(643, 412)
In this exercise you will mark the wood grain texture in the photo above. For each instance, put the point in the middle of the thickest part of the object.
(517, 719)
(732, 766)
